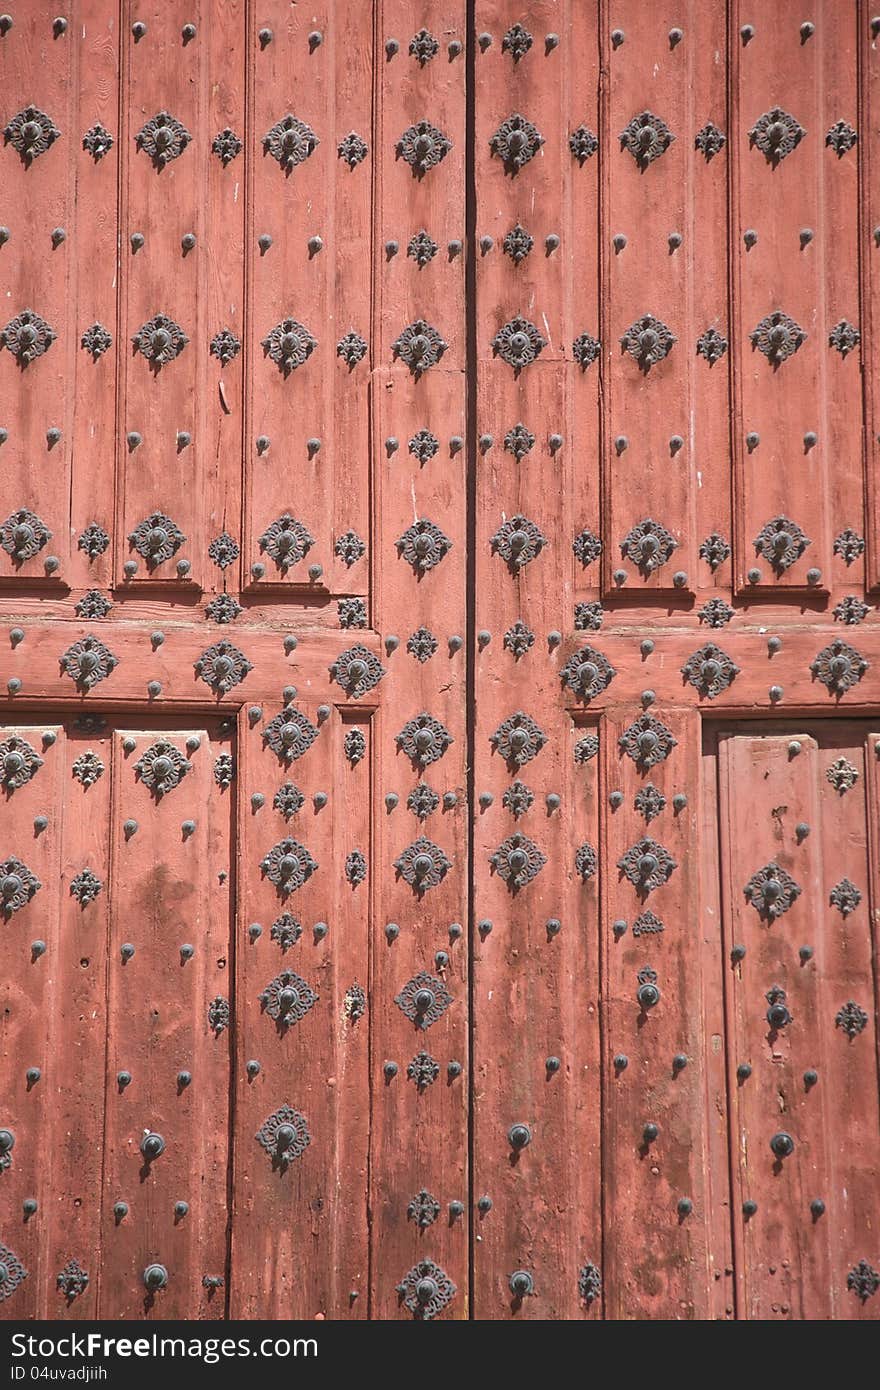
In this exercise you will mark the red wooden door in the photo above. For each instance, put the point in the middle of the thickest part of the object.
(795, 903)
(429, 437)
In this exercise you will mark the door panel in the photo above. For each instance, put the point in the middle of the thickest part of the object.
(478, 542)
(59, 407)
(802, 1061)
(182, 229)
(662, 1006)
(169, 1011)
(796, 201)
(300, 1228)
(660, 295)
(308, 234)
(54, 1013)
(108, 1036)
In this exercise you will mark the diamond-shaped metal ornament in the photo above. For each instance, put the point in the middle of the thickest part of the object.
(162, 767)
(288, 800)
(286, 541)
(96, 340)
(289, 344)
(771, 891)
(163, 138)
(31, 132)
(157, 538)
(515, 142)
(98, 141)
(422, 801)
(425, 1290)
(518, 542)
(710, 141)
(711, 345)
(27, 336)
(776, 133)
(518, 343)
(352, 148)
(842, 775)
(423, 545)
(288, 865)
(649, 545)
(845, 896)
(781, 542)
(587, 673)
(160, 339)
(518, 639)
(583, 144)
(352, 348)
(424, 739)
(839, 667)
(586, 862)
(517, 860)
(357, 671)
(19, 762)
(423, 1070)
(422, 865)
(647, 741)
(88, 661)
(420, 346)
(423, 1209)
(290, 142)
(17, 885)
(647, 865)
(287, 998)
(709, 670)
(649, 801)
(518, 739)
(646, 137)
(648, 340)
(851, 1019)
(423, 146)
(778, 336)
(222, 666)
(518, 798)
(85, 887)
(424, 999)
(290, 734)
(284, 1135)
(12, 1271)
(226, 145)
(286, 930)
(225, 346)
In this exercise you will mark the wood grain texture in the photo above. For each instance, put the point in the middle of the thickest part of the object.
(467, 568)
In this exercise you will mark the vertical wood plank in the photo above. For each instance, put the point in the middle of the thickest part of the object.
(33, 979)
(536, 1223)
(300, 1227)
(179, 428)
(810, 1073)
(868, 52)
(169, 1011)
(659, 1195)
(662, 275)
(308, 253)
(797, 381)
(58, 262)
(420, 1076)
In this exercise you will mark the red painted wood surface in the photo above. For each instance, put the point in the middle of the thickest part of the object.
(664, 421)
(299, 1232)
(71, 284)
(316, 215)
(813, 1078)
(532, 939)
(803, 264)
